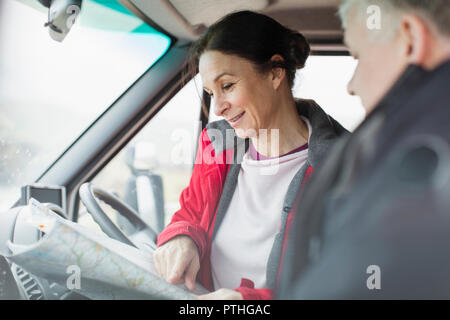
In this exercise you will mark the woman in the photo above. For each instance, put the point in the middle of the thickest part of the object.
(235, 213)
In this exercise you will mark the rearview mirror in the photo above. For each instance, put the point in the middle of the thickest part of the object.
(62, 15)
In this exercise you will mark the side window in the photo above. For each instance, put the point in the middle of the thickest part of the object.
(324, 79)
(155, 166)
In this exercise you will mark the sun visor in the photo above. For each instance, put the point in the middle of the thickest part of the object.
(188, 19)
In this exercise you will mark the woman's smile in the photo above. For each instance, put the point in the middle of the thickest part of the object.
(235, 120)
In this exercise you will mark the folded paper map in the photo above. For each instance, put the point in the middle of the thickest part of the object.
(108, 269)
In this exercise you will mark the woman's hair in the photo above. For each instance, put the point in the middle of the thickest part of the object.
(254, 37)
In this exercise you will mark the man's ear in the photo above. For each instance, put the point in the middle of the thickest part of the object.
(416, 35)
(277, 74)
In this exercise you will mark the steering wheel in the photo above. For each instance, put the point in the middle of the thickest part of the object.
(90, 194)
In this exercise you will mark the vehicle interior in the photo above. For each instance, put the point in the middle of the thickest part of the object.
(102, 125)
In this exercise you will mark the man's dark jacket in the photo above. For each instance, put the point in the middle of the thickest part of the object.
(374, 220)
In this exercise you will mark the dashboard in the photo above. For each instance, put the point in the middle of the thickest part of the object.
(15, 282)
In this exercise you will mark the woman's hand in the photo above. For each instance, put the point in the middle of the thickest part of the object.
(222, 294)
(178, 261)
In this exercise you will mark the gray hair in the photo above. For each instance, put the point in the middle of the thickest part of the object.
(435, 11)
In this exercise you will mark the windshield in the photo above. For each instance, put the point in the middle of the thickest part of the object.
(50, 92)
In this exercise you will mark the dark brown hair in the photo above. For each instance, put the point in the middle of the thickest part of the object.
(255, 37)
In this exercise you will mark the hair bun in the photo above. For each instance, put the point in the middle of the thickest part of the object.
(299, 49)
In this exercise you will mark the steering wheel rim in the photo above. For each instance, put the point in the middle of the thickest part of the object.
(89, 195)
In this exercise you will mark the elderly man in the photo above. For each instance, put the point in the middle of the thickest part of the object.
(375, 221)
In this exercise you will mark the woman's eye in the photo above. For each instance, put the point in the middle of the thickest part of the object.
(227, 86)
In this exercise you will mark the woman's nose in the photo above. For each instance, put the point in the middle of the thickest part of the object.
(220, 106)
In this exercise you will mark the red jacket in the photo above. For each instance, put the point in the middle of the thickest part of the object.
(204, 199)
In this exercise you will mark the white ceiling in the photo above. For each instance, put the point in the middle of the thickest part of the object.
(207, 12)
(289, 4)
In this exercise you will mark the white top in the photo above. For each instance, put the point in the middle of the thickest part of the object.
(245, 238)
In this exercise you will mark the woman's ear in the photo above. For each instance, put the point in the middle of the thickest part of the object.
(416, 35)
(277, 74)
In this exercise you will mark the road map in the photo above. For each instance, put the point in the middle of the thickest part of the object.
(109, 269)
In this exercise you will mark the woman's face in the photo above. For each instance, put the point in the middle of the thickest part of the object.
(240, 94)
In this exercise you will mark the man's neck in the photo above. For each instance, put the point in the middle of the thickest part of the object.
(439, 53)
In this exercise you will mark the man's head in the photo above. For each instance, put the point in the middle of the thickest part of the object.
(388, 35)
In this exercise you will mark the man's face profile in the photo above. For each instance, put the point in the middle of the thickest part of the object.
(381, 57)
